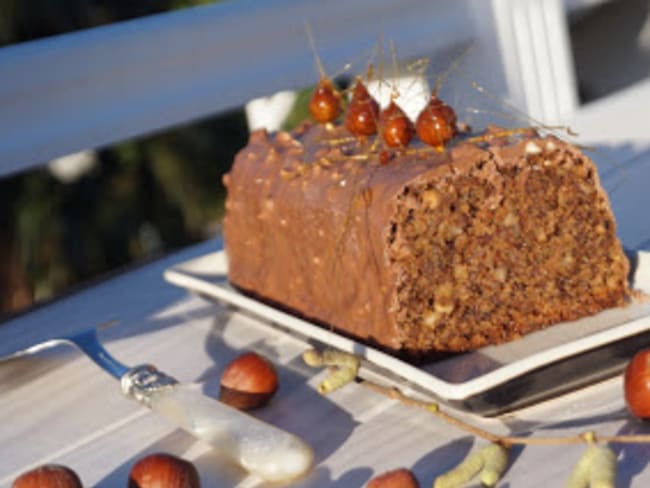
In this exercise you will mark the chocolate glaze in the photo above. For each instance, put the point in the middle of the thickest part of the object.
(309, 216)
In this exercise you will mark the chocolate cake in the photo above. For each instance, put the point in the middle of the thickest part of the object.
(423, 251)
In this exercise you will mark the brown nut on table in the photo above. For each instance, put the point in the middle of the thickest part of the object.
(48, 476)
(248, 382)
(163, 471)
(399, 478)
(637, 384)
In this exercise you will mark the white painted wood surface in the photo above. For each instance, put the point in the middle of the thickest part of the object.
(533, 40)
(58, 407)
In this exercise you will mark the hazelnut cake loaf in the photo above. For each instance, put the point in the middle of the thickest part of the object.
(426, 251)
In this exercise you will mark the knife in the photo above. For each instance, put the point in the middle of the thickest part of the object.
(260, 448)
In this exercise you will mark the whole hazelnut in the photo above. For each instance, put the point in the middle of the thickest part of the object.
(48, 476)
(637, 384)
(163, 471)
(249, 381)
(399, 478)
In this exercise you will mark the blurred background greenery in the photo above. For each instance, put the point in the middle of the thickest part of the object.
(134, 200)
(24, 20)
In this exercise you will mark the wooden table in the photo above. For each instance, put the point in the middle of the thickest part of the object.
(58, 407)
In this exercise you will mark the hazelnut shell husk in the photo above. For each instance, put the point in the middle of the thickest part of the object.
(248, 382)
(163, 470)
(48, 476)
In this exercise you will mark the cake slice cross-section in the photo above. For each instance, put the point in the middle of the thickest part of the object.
(430, 251)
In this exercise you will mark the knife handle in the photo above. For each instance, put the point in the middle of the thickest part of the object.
(260, 448)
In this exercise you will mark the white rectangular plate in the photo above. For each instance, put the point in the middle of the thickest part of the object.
(488, 381)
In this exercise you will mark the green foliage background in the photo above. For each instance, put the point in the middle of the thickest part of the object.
(24, 20)
(143, 197)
